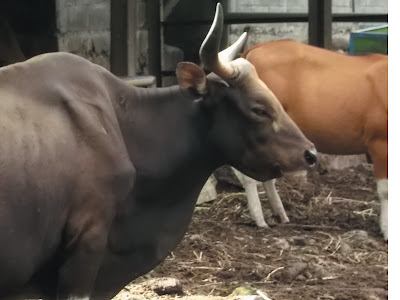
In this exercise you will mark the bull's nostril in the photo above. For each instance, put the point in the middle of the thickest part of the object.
(311, 157)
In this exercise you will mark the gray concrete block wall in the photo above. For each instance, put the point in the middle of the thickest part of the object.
(296, 6)
(365, 6)
(83, 26)
(342, 6)
(379, 6)
(280, 6)
(84, 29)
(299, 31)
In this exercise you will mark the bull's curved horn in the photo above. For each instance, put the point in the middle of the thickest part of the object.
(232, 51)
(210, 47)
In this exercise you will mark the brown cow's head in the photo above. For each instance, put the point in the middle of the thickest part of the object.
(250, 128)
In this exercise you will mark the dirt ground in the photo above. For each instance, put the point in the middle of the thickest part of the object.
(332, 249)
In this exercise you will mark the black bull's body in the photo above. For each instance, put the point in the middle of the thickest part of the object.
(98, 179)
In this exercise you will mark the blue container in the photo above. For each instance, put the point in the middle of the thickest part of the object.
(370, 40)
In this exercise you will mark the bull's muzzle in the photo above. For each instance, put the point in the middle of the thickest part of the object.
(311, 157)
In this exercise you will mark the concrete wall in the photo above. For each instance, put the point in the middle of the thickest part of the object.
(189, 38)
(359, 6)
(299, 31)
(83, 28)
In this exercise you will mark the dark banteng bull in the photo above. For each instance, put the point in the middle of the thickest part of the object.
(99, 179)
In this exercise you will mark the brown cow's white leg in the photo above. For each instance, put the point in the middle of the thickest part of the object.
(382, 187)
(275, 200)
(253, 200)
(209, 191)
(378, 150)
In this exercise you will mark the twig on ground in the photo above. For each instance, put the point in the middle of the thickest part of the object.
(323, 278)
(262, 295)
(304, 226)
(330, 241)
(366, 212)
(272, 273)
(329, 277)
(255, 254)
(340, 199)
(206, 268)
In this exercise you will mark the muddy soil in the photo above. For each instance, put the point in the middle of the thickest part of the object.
(332, 249)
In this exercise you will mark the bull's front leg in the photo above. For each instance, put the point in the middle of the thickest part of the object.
(86, 235)
(84, 253)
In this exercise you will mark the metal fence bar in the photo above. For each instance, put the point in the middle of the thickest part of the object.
(118, 44)
(353, 17)
(245, 18)
(254, 18)
(320, 23)
(154, 36)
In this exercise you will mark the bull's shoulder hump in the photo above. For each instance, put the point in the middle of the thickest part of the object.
(51, 64)
(58, 56)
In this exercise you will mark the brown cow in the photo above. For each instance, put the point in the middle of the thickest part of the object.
(340, 103)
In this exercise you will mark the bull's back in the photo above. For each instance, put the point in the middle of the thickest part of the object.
(38, 163)
(35, 182)
(60, 146)
(39, 128)
(330, 96)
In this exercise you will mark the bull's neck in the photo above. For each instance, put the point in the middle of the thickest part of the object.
(165, 130)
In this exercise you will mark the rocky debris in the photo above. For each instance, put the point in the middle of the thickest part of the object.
(165, 285)
(243, 291)
(127, 295)
(281, 244)
(360, 239)
(345, 249)
(299, 240)
(340, 162)
(357, 235)
(249, 297)
(290, 272)
(319, 272)
(312, 242)
(247, 293)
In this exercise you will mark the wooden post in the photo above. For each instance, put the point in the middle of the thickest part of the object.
(320, 23)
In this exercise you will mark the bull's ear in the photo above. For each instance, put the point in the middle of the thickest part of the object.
(192, 76)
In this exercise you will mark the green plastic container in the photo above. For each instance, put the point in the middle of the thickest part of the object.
(370, 40)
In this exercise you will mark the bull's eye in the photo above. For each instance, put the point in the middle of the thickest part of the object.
(261, 112)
